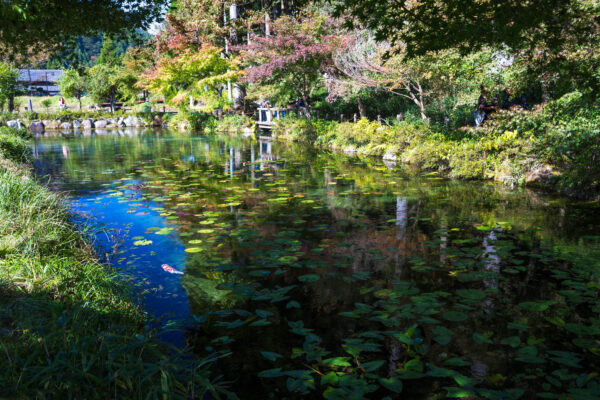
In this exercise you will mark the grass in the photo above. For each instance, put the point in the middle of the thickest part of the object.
(39, 106)
(71, 327)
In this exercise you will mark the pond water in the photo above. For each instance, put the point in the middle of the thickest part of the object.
(317, 275)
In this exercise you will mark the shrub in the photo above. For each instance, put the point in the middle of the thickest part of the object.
(295, 129)
(14, 148)
(22, 133)
(235, 123)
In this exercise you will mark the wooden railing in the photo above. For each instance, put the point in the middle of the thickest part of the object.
(268, 115)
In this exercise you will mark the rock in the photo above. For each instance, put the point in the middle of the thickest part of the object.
(131, 121)
(51, 124)
(87, 124)
(540, 174)
(248, 132)
(15, 123)
(36, 126)
(390, 156)
(158, 122)
(101, 123)
(350, 150)
(143, 122)
(66, 125)
(76, 124)
(389, 164)
(120, 122)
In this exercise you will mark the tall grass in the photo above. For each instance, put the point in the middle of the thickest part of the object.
(70, 327)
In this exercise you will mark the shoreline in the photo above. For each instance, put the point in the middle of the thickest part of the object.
(64, 313)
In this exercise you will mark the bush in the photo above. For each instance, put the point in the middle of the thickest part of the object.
(235, 123)
(564, 133)
(14, 148)
(22, 133)
(295, 129)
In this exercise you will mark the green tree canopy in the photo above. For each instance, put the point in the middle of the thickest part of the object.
(31, 25)
(104, 84)
(8, 84)
(469, 25)
(73, 84)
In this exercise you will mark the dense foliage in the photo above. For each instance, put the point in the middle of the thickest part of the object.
(28, 26)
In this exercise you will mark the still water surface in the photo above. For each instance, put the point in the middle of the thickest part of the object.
(319, 275)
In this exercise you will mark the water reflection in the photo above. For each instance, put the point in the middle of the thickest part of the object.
(443, 286)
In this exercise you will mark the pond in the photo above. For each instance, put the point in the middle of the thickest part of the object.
(314, 274)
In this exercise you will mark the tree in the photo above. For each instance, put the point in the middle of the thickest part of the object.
(292, 60)
(201, 73)
(31, 25)
(135, 63)
(364, 64)
(73, 84)
(8, 85)
(104, 84)
(108, 54)
(431, 25)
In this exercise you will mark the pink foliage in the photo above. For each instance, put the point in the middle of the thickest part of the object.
(295, 44)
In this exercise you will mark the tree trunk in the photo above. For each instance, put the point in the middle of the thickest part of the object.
(362, 110)
(79, 100)
(112, 103)
(11, 102)
(545, 89)
(305, 99)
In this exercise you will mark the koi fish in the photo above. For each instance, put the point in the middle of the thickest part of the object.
(170, 269)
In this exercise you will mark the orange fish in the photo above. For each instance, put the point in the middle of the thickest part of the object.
(170, 269)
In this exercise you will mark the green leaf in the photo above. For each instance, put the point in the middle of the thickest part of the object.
(271, 356)
(512, 341)
(292, 304)
(393, 384)
(471, 294)
(308, 278)
(536, 305)
(454, 316)
(271, 373)
(372, 365)
(337, 362)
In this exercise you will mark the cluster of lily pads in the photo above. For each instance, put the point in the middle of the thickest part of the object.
(323, 276)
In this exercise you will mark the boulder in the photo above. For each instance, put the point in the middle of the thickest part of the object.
(66, 126)
(76, 124)
(51, 124)
(248, 132)
(87, 124)
(15, 123)
(158, 122)
(36, 126)
(350, 150)
(540, 175)
(101, 123)
(120, 122)
(131, 121)
(390, 156)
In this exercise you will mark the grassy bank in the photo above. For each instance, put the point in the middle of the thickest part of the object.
(69, 326)
(557, 145)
